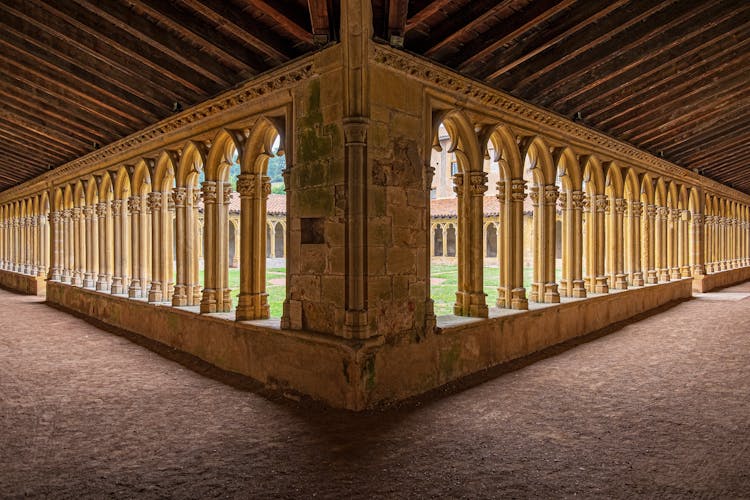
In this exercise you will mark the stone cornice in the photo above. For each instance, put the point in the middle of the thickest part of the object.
(280, 79)
(526, 114)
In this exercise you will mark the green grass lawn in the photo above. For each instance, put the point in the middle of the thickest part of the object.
(444, 293)
(276, 293)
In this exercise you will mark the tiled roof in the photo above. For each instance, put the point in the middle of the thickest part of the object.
(275, 205)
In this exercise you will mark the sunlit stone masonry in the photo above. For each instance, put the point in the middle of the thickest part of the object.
(139, 234)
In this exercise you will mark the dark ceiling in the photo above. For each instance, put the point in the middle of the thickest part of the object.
(670, 76)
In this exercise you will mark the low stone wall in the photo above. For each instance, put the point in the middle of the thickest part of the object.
(472, 345)
(354, 374)
(708, 282)
(23, 283)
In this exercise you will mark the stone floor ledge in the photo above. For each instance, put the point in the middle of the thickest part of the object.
(23, 283)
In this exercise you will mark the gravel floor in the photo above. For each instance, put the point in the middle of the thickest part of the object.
(658, 408)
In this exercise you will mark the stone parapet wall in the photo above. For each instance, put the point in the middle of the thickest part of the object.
(23, 283)
(357, 375)
(720, 279)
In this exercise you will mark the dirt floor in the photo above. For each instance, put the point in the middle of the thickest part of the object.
(659, 408)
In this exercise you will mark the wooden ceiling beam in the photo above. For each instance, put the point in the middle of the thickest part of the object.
(447, 34)
(659, 25)
(397, 16)
(117, 24)
(42, 155)
(40, 129)
(78, 47)
(513, 27)
(629, 17)
(24, 158)
(711, 64)
(232, 52)
(320, 21)
(674, 94)
(74, 109)
(639, 127)
(73, 137)
(40, 74)
(693, 133)
(16, 136)
(426, 11)
(718, 142)
(26, 135)
(289, 18)
(616, 81)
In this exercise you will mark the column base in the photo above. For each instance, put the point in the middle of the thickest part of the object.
(698, 270)
(579, 289)
(503, 296)
(134, 290)
(226, 295)
(685, 272)
(102, 283)
(253, 306)
(518, 299)
(621, 281)
(179, 298)
(117, 288)
(664, 275)
(88, 281)
(675, 274)
(551, 294)
(154, 293)
(208, 301)
(41, 272)
(563, 288)
(536, 294)
(355, 324)
(601, 285)
(637, 279)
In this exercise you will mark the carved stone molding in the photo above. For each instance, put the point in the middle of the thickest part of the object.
(636, 208)
(551, 194)
(458, 184)
(116, 208)
(577, 200)
(698, 219)
(274, 81)
(208, 192)
(478, 182)
(154, 201)
(517, 190)
(179, 195)
(246, 185)
(134, 205)
(101, 209)
(621, 205)
(485, 96)
(226, 193)
(562, 199)
(501, 191)
(601, 203)
(534, 195)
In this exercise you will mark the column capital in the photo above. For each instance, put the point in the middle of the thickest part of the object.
(75, 212)
(134, 205)
(116, 208)
(101, 209)
(636, 208)
(154, 201)
(209, 192)
(621, 204)
(551, 194)
(88, 211)
(500, 191)
(517, 190)
(227, 192)
(179, 195)
(246, 185)
(662, 212)
(534, 195)
(601, 203)
(478, 181)
(698, 218)
(577, 199)
(562, 199)
(458, 184)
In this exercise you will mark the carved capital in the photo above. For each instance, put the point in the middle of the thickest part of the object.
(577, 200)
(534, 195)
(601, 203)
(636, 208)
(562, 200)
(179, 195)
(517, 190)
(698, 218)
(209, 192)
(195, 197)
(67, 213)
(116, 208)
(355, 131)
(621, 205)
(134, 205)
(662, 212)
(101, 209)
(54, 217)
(501, 191)
(551, 194)
(478, 182)
(88, 211)
(458, 184)
(75, 212)
(154, 201)
(226, 193)
(246, 185)
(429, 175)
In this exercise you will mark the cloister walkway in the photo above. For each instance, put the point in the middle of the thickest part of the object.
(657, 408)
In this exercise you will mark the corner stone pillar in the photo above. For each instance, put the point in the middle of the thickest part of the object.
(470, 297)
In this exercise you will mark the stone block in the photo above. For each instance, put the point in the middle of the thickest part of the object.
(401, 261)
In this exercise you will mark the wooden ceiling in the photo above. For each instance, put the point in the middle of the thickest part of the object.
(669, 76)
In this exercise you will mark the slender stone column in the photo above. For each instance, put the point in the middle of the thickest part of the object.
(662, 263)
(134, 208)
(577, 204)
(155, 206)
(648, 236)
(620, 278)
(33, 223)
(223, 292)
(697, 222)
(566, 279)
(636, 262)
(536, 294)
(168, 265)
(77, 240)
(685, 271)
(54, 247)
(722, 247)
(103, 276)
(66, 257)
(503, 249)
(91, 231)
(195, 288)
(601, 206)
(179, 297)
(22, 246)
(118, 286)
(675, 220)
(515, 230)
(208, 299)
(551, 194)
(236, 246)
(253, 299)
(43, 246)
(3, 230)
